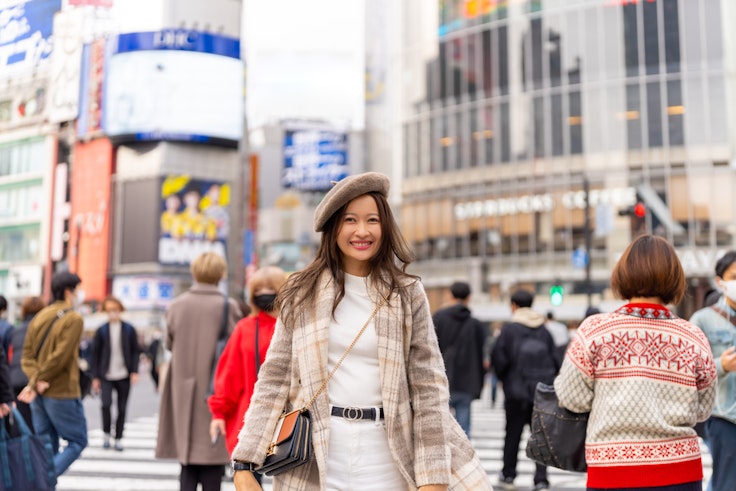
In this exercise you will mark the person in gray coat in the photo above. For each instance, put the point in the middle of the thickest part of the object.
(192, 328)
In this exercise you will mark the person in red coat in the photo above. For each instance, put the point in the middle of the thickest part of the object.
(237, 370)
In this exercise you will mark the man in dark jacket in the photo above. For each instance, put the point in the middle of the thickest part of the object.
(523, 355)
(461, 339)
(115, 356)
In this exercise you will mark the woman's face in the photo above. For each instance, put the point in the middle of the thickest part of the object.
(359, 235)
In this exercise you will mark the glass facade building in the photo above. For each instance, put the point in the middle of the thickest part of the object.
(530, 127)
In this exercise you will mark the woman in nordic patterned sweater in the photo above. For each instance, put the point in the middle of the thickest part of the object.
(646, 377)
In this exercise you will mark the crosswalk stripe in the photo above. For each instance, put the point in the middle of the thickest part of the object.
(136, 468)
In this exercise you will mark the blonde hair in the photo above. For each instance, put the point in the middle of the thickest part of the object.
(208, 268)
(271, 277)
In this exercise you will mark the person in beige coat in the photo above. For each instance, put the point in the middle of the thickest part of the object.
(403, 437)
(192, 327)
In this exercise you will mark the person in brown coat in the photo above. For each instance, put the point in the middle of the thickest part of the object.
(192, 327)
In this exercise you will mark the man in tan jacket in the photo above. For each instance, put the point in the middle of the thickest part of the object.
(51, 362)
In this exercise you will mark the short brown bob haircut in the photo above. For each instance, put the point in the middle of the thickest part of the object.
(208, 268)
(649, 267)
(110, 299)
(31, 306)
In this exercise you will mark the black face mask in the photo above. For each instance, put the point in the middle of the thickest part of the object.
(265, 301)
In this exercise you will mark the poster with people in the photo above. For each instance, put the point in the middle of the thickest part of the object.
(194, 218)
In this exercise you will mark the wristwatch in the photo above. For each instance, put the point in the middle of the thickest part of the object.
(243, 466)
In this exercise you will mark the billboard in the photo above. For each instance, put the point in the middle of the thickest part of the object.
(313, 158)
(174, 85)
(90, 214)
(26, 29)
(143, 292)
(194, 218)
(90, 88)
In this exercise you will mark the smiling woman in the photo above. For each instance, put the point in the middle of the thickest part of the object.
(386, 388)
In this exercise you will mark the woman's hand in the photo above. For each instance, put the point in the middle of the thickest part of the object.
(433, 487)
(96, 385)
(217, 428)
(245, 481)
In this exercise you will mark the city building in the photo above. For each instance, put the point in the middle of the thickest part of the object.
(120, 147)
(536, 137)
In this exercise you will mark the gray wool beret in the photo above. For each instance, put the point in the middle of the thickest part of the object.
(347, 190)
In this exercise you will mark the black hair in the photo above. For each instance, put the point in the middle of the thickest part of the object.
(460, 290)
(522, 298)
(3, 303)
(61, 282)
(725, 262)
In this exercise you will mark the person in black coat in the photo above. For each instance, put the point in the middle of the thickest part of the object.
(115, 356)
(6, 394)
(18, 379)
(461, 339)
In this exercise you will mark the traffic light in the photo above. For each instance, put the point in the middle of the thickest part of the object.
(638, 210)
(556, 293)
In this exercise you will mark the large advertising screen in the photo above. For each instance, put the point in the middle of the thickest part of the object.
(26, 29)
(194, 219)
(174, 85)
(313, 158)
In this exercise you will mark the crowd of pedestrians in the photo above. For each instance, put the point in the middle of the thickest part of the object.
(389, 385)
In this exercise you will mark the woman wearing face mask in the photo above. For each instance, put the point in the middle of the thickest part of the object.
(238, 368)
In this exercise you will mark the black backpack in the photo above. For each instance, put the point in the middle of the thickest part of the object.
(535, 362)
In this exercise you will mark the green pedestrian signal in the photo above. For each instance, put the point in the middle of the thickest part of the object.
(555, 295)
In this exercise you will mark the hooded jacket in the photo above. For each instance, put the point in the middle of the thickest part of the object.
(461, 339)
(525, 323)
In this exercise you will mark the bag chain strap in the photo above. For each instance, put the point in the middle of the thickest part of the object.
(342, 358)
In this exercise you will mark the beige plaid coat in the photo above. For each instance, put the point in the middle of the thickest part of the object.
(424, 438)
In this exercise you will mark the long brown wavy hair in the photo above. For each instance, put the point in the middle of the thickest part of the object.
(387, 267)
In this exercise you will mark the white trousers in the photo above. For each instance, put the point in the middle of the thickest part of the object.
(359, 458)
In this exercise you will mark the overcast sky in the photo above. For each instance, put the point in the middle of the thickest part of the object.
(305, 59)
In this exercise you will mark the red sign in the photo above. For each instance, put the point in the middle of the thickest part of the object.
(89, 224)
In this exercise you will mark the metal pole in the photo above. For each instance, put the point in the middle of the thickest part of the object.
(588, 242)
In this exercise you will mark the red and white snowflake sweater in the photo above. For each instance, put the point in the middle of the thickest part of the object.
(646, 377)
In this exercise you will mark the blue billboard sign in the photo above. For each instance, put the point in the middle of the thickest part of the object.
(26, 29)
(313, 158)
(178, 39)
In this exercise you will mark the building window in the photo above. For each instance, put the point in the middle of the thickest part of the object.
(671, 18)
(503, 60)
(633, 116)
(557, 125)
(651, 37)
(654, 114)
(505, 132)
(22, 157)
(631, 40)
(675, 113)
(538, 126)
(575, 122)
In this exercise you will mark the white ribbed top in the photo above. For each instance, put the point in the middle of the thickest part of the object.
(117, 369)
(356, 382)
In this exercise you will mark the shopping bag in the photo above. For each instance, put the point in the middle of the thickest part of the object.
(26, 460)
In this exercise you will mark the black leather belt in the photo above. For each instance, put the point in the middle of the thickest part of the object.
(356, 413)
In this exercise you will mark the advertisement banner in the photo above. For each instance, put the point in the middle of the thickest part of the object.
(313, 158)
(26, 34)
(143, 292)
(174, 85)
(90, 90)
(194, 219)
(90, 215)
(65, 66)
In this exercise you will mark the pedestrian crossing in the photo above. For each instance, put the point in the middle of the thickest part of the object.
(135, 468)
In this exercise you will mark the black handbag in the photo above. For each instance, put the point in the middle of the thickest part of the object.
(291, 445)
(557, 436)
(26, 461)
(222, 339)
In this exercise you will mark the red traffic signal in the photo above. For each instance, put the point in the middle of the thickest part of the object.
(640, 210)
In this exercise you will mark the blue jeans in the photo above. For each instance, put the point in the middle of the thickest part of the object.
(61, 418)
(460, 402)
(721, 437)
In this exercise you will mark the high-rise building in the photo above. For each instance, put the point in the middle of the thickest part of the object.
(537, 137)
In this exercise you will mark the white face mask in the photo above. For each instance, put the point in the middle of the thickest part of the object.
(729, 289)
(78, 298)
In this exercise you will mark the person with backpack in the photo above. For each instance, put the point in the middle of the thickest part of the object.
(524, 355)
(461, 338)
